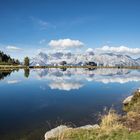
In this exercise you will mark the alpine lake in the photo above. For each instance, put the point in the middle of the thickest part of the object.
(33, 101)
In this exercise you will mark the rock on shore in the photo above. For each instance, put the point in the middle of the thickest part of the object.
(56, 132)
(128, 99)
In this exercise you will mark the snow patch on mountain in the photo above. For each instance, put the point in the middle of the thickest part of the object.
(104, 59)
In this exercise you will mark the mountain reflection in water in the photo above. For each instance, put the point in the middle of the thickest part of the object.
(71, 78)
(33, 101)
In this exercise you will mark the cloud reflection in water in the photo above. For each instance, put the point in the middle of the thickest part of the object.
(76, 78)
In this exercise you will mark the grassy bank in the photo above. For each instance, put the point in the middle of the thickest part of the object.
(5, 67)
(112, 125)
(111, 128)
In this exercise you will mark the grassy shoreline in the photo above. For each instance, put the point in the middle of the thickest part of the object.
(112, 126)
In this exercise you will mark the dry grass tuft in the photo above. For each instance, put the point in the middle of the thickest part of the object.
(110, 122)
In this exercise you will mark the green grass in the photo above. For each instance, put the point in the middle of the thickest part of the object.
(118, 134)
(134, 105)
(111, 128)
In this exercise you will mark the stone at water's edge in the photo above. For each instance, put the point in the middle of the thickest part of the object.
(128, 99)
(95, 126)
(138, 90)
(56, 132)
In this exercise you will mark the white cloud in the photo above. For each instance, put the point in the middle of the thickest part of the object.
(89, 50)
(63, 44)
(120, 50)
(13, 81)
(13, 48)
(43, 24)
(46, 24)
(42, 41)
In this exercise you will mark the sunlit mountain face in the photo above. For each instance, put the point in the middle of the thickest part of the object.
(102, 59)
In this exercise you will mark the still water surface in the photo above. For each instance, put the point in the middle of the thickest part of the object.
(32, 102)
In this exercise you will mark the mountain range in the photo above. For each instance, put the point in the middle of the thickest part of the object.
(104, 59)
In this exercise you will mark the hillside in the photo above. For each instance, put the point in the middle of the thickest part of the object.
(7, 60)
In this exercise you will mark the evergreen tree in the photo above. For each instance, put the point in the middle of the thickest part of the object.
(26, 61)
(6, 59)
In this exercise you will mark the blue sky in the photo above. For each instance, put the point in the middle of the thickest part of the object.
(29, 25)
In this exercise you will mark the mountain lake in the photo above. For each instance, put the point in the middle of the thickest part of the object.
(37, 100)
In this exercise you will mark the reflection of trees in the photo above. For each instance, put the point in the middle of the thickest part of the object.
(26, 73)
(4, 74)
(63, 69)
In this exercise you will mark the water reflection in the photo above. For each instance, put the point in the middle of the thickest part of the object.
(4, 73)
(13, 81)
(65, 85)
(26, 73)
(39, 97)
(71, 78)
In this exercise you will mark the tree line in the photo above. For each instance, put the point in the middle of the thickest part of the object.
(6, 59)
